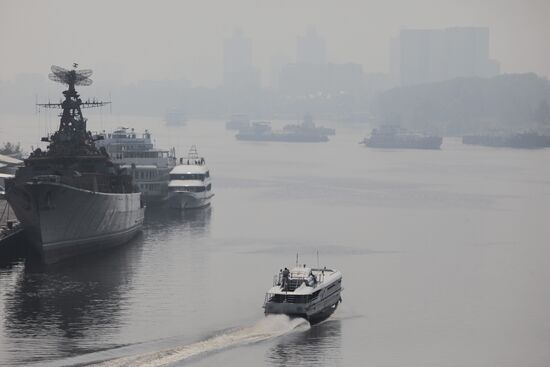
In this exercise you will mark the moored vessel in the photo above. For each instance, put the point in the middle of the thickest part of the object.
(71, 198)
(521, 140)
(394, 137)
(307, 126)
(310, 293)
(190, 184)
(150, 167)
(262, 131)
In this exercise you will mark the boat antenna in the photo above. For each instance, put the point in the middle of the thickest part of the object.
(296, 259)
(317, 258)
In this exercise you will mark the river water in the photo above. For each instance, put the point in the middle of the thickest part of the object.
(444, 254)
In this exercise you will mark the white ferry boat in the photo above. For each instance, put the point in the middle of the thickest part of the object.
(190, 184)
(311, 293)
(149, 167)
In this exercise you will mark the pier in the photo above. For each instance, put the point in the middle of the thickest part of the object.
(11, 238)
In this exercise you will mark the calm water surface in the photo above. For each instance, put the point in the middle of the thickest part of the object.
(444, 254)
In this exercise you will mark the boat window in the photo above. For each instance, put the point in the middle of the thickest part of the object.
(314, 295)
(189, 188)
(187, 176)
(209, 187)
(288, 298)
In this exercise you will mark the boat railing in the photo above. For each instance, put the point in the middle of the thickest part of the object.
(47, 178)
(295, 282)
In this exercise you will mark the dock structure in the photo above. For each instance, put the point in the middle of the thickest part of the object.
(6, 213)
(11, 235)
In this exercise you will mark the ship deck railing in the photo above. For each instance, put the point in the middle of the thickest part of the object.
(295, 281)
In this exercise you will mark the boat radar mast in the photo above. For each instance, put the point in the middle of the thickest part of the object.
(72, 138)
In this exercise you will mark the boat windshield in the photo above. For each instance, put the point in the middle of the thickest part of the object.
(188, 176)
(188, 188)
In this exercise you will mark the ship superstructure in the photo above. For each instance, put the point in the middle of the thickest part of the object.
(307, 126)
(190, 184)
(149, 167)
(303, 133)
(71, 198)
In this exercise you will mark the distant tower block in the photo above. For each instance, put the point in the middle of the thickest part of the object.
(311, 48)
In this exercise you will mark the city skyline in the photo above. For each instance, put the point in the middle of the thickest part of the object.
(33, 35)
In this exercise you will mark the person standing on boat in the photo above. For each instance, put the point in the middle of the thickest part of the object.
(286, 274)
(311, 280)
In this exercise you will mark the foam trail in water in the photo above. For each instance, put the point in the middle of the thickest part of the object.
(269, 327)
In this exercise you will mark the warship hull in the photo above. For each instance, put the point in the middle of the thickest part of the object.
(62, 221)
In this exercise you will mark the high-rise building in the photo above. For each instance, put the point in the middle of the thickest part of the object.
(311, 48)
(312, 73)
(301, 79)
(431, 55)
(238, 72)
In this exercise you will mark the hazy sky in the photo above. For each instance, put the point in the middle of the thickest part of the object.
(126, 40)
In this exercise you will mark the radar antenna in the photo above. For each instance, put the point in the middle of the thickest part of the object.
(72, 126)
(71, 77)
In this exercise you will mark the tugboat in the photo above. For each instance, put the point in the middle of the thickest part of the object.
(190, 185)
(310, 293)
(71, 198)
(394, 137)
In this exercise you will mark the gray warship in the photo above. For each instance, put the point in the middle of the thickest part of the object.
(71, 198)
(522, 140)
(393, 137)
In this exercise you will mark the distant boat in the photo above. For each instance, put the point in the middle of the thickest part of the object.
(393, 137)
(175, 117)
(307, 126)
(310, 293)
(261, 131)
(237, 122)
(525, 140)
(190, 184)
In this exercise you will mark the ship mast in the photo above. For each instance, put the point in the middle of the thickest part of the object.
(71, 138)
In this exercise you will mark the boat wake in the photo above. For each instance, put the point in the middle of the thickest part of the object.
(269, 327)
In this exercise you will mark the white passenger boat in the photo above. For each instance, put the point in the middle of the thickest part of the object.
(148, 165)
(311, 293)
(190, 184)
